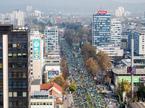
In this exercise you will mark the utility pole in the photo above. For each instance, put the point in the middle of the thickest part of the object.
(132, 64)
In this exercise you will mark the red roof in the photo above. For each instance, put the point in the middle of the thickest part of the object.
(48, 86)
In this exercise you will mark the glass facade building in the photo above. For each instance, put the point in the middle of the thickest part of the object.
(101, 28)
(17, 67)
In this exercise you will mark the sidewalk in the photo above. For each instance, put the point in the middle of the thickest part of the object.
(68, 101)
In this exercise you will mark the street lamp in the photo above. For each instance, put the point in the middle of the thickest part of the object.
(132, 64)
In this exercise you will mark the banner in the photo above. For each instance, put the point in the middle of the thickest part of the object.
(36, 49)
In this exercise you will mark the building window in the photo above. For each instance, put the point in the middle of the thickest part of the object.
(19, 54)
(10, 104)
(24, 94)
(14, 94)
(24, 75)
(14, 45)
(14, 55)
(10, 94)
(1, 65)
(10, 54)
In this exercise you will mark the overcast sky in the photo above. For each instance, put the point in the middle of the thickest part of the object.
(73, 5)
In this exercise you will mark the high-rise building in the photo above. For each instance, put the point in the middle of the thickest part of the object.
(18, 18)
(120, 12)
(101, 28)
(139, 40)
(36, 54)
(116, 31)
(13, 67)
(51, 40)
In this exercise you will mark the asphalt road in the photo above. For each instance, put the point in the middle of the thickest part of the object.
(86, 95)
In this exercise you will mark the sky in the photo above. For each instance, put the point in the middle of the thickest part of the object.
(80, 6)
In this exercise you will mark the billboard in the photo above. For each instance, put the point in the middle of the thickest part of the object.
(53, 73)
(36, 49)
(131, 70)
(136, 79)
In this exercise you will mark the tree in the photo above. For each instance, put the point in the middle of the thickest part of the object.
(92, 66)
(64, 68)
(88, 51)
(104, 61)
(141, 92)
(107, 79)
(61, 81)
(124, 88)
(72, 87)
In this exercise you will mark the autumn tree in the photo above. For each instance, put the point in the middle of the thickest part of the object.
(64, 68)
(104, 61)
(124, 88)
(60, 81)
(88, 51)
(107, 79)
(76, 33)
(92, 66)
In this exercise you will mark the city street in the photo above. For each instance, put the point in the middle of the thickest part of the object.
(86, 86)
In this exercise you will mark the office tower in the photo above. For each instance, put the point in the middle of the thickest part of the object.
(101, 24)
(36, 54)
(51, 42)
(18, 18)
(139, 40)
(13, 67)
(116, 31)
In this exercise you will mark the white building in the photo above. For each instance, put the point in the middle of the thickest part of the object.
(111, 50)
(51, 72)
(51, 40)
(120, 12)
(42, 99)
(37, 13)
(35, 86)
(36, 54)
(52, 59)
(18, 18)
(51, 67)
(116, 31)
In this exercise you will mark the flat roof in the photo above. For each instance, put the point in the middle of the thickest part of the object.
(36, 82)
(123, 71)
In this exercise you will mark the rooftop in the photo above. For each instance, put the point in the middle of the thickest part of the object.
(123, 71)
(36, 82)
(48, 86)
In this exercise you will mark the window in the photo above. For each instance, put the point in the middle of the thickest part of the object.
(1, 65)
(19, 54)
(14, 55)
(24, 75)
(10, 94)
(14, 45)
(10, 54)
(10, 104)
(24, 94)
(18, 45)
(14, 94)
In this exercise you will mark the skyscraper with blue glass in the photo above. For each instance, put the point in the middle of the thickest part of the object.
(101, 28)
